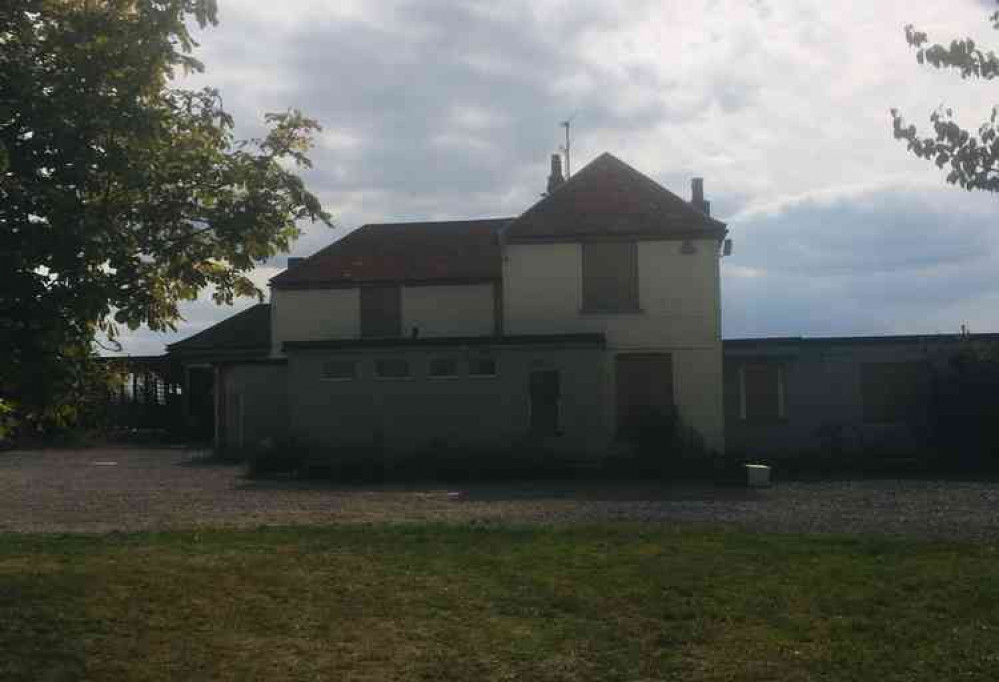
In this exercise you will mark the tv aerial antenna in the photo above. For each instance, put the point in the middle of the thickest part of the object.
(568, 146)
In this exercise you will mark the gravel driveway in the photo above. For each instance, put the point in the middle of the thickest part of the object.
(100, 490)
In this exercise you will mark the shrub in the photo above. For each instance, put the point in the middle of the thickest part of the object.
(660, 445)
(963, 424)
(270, 458)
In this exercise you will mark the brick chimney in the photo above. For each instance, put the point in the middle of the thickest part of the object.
(697, 196)
(555, 178)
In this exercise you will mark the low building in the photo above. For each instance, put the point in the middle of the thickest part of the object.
(785, 396)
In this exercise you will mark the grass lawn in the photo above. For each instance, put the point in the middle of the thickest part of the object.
(622, 602)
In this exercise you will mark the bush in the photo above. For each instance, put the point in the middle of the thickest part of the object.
(963, 424)
(659, 445)
(270, 458)
(656, 446)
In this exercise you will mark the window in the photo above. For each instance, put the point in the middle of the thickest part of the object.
(391, 368)
(339, 370)
(893, 391)
(761, 392)
(482, 366)
(442, 368)
(610, 277)
(381, 312)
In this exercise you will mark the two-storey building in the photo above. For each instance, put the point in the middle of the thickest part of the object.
(555, 327)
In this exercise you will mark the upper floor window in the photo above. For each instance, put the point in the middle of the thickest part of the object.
(761, 392)
(610, 277)
(381, 311)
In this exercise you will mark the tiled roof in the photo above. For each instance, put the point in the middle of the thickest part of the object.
(451, 251)
(609, 198)
(246, 330)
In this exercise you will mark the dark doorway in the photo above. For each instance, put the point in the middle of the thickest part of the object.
(644, 387)
(200, 393)
(545, 398)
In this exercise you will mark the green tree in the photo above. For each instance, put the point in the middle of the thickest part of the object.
(971, 157)
(120, 195)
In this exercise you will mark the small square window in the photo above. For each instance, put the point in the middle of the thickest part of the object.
(391, 368)
(443, 367)
(339, 370)
(482, 366)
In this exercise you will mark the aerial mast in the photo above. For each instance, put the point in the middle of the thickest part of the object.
(568, 167)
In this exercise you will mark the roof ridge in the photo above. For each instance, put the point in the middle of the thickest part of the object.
(608, 196)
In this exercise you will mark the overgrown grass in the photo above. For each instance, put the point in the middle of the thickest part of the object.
(495, 603)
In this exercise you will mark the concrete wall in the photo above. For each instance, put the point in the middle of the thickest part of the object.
(253, 404)
(449, 310)
(680, 301)
(410, 413)
(822, 395)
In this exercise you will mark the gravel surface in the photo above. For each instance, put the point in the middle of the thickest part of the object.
(102, 490)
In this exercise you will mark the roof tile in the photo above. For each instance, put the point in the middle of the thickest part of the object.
(449, 251)
(610, 198)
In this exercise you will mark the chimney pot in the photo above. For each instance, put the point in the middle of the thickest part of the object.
(555, 178)
(697, 196)
(697, 191)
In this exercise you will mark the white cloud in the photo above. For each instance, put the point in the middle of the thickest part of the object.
(438, 109)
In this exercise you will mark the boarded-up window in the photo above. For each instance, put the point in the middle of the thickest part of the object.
(644, 386)
(381, 312)
(610, 277)
(761, 392)
(391, 368)
(445, 367)
(482, 366)
(893, 391)
(339, 370)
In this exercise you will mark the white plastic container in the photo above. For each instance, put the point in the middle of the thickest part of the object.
(757, 476)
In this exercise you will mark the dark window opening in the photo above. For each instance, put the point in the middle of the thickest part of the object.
(381, 312)
(610, 277)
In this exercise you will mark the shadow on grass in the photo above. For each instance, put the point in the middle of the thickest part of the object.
(43, 628)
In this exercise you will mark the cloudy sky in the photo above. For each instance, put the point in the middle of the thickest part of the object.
(436, 109)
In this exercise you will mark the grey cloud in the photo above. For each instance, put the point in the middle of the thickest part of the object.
(884, 230)
(895, 260)
(449, 109)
